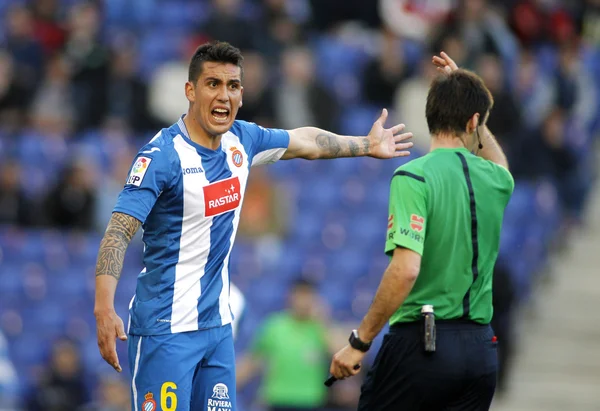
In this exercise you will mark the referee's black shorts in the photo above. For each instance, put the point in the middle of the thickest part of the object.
(459, 376)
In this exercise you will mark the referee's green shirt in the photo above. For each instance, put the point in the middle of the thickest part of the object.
(448, 206)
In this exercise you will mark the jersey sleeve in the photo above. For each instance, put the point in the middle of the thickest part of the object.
(148, 177)
(407, 221)
(268, 144)
(508, 179)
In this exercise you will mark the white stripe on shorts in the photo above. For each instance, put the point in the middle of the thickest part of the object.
(135, 371)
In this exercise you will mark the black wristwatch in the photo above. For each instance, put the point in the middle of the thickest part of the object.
(357, 343)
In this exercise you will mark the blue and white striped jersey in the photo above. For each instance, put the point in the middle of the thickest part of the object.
(188, 199)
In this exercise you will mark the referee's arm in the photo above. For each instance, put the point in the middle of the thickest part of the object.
(396, 284)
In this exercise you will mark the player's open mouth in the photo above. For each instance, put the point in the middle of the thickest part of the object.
(220, 114)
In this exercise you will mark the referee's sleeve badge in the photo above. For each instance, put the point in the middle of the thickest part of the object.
(417, 222)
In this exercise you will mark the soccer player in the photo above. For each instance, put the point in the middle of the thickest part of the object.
(445, 215)
(185, 189)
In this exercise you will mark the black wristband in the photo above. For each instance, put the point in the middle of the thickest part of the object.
(357, 343)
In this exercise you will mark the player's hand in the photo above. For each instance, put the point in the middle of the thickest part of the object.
(343, 363)
(444, 63)
(109, 327)
(388, 142)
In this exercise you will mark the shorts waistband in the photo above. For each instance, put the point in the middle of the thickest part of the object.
(439, 325)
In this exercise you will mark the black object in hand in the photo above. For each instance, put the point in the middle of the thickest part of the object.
(329, 382)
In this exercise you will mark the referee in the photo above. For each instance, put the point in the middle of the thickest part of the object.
(446, 211)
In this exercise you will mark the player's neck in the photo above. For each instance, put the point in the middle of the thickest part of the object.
(444, 140)
(199, 136)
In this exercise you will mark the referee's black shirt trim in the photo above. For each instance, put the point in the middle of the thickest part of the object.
(409, 174)
(474, 239)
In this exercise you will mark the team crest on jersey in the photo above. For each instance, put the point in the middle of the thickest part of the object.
(417, 222)
(220, 391)
(138, 171)
(149, 404)
(222, 196)
(237, 157)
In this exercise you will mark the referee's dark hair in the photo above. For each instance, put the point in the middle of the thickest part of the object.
(453, 99)
(216, 52)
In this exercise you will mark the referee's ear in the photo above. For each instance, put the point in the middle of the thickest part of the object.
(473, 123)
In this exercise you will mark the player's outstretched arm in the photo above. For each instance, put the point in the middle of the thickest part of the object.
(117, 237)
(491, 149)
(312, 143)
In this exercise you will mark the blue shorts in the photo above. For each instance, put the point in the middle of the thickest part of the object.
(185, 371)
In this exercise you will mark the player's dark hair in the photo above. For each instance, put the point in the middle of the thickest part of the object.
(216, 52)
(453, 99)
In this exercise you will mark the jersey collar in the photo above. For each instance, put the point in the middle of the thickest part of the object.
(201, 149)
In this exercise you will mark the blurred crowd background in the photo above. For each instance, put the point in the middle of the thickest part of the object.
(83, 84)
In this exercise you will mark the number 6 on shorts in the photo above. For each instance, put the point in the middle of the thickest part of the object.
(168, 399)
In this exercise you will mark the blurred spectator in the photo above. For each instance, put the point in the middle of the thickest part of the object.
(534, 91)
(576, 92)
(590, 22)
(414, 19)
(53, 108)
(258, 101)
(300, 100)
(528, 22)
(88, 59)
(505, 117)
(281, 27)
(112, 394)
(293, 347)
(481, 29)
(110, 186)
(15, 207)
(331, 13)
(48, 29)
(167, 92)
(546, 154)
(13, 96)
(226, 24)
(265, 207)
(72, 201)
(9, 384)
(24, 47)
(127, 94)
(61, 387)
(409, 100)
(384, 73)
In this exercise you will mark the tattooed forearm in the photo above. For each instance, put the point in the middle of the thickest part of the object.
(353, 146)
(332, 146)
(329, 145)
(119, 233)
(366, 146)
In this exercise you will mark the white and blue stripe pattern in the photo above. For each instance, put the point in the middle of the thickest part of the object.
(189, 202)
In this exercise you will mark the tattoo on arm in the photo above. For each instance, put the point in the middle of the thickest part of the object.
(353, 146)
(366, 145)
(119, 233)
(329, 144)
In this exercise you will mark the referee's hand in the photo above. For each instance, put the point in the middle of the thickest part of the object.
(343, 363)
(109, 327)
